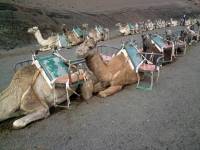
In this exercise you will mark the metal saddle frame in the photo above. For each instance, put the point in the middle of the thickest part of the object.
(165, 47)
(141, 63)
(57, 72)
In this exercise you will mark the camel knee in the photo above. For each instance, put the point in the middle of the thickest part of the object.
(110, 91)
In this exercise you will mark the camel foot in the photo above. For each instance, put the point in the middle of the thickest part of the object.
(110, 91)
(102, 94)
(22, 122)
(19, 124)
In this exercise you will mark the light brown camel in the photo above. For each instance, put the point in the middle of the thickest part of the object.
(117, 72)
(73, 38)
(51, 42)
(99, 33)
(124, 30)
(30, 95)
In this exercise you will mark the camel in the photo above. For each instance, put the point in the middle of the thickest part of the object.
(192, 36)
(149, 25)
(179, 40)
(99, 33)
(51, 42)
(116, 72)
(126, 30)
(89, 43)
(72, 37)
(172, 23)
(30, 96)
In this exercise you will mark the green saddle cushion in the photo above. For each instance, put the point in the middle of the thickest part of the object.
(130, 26)
(78, 32)
(99, 28)
(64, 41)
(52, 65)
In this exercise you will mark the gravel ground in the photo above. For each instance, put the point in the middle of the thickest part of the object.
(166, 118)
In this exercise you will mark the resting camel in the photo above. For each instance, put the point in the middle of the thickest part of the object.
(99, 33)
(29, 95)
(73, 38)
(117, 72)
(51, 42)
(192, 35)
(126, 30)
(149, 25)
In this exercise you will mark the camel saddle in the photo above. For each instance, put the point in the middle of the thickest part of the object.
(130, 26)
(64, 41)
(139, 63)
(165, 47)
(57, 72)
(78, 32)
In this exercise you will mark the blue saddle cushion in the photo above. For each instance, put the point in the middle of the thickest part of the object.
(52, 65)
(159, 41)
(133, 55)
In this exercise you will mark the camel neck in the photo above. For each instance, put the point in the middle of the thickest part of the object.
(39, 37)
(96, 65)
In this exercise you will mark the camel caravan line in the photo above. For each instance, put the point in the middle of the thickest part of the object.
(51, 79)
(68, 38)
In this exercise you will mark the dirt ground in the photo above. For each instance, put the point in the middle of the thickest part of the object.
(166, 118)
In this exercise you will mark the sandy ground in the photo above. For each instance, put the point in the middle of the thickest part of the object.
(165, 118)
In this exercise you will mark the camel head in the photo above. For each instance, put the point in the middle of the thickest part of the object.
(118, 24)
(85, 49)
(64, 28)
(85, 25)
(33, 30)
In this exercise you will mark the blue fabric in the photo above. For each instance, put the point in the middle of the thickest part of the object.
(52, 65)
(78, 32)
(133, 55)
(130, 26)
(99, 28)
(64, 40)
(158, 40)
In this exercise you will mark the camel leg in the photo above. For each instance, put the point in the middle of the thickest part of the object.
(100, 86)
(39, 114)
(110, 91)
(33, 107)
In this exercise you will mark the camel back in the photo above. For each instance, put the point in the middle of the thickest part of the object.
(99, 29)
(164, 47)
(64, 41)
(53, 67)
(159, 41)
(134, 58)
(131, 26)
(78, 32)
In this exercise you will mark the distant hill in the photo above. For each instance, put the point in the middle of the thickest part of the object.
(16, 16)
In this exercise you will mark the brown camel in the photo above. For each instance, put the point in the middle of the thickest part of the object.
(74, 39)
(117, 72)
